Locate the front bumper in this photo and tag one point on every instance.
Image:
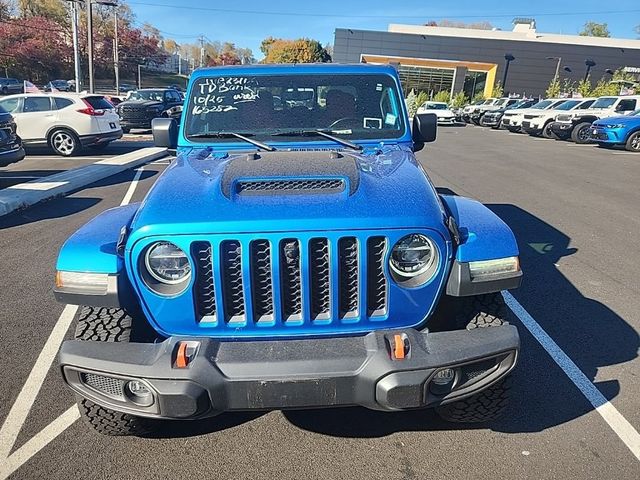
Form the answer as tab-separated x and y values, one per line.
562	129
531	127
246	375
612	136
11	154
446	120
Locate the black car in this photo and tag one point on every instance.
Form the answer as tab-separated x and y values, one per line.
11	149
144	105
493	118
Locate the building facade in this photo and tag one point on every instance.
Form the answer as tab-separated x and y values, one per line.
432	59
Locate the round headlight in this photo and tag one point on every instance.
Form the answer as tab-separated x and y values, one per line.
167	263
413	256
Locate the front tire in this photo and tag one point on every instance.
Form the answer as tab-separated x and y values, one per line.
547	132
633	142
580	133
479	311
64	142
101	324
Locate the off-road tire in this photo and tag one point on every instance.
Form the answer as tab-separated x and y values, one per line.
101	324
578	133
480	311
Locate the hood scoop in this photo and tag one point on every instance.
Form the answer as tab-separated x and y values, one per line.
291	186
290	173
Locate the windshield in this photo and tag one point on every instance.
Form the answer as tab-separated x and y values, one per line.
542	105
604	102
156	95
435	106
351	106
500	102
569	104
488	102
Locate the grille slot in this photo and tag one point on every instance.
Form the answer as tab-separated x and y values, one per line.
204	291
376	280
349	277
233	290
303	185
319	276
291	283
113	387
261	281
319	281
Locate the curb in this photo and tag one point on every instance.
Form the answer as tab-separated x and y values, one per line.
23	195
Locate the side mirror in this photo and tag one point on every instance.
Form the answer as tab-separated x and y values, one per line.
165	132
424	130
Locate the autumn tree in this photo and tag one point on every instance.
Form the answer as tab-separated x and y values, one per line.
302	50
595	29
54	10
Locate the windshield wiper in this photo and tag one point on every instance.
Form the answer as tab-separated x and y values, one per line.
322	133
244	137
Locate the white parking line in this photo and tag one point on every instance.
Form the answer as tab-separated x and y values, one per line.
625	431
22	406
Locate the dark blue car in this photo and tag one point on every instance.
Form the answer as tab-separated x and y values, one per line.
622	130
294	254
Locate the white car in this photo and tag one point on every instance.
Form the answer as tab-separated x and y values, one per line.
66	122
442	111
540	123
512	119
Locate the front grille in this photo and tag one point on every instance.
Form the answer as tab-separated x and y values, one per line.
319	281
113	387
265	187
133	114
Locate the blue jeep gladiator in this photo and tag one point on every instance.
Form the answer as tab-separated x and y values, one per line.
293	255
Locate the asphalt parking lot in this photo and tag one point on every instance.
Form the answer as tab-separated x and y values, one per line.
41	162
574	212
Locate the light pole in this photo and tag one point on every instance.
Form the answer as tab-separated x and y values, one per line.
140	75
76	49
116	66
559	59
90	43
509	58
589	63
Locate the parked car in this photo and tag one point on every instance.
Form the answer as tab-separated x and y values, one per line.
539	123
11	149
9	86
479	112
114	100
440	109
142	106
512	119
576	125
66	122
493	118
620	130
469	109
292	258
125	87
60	85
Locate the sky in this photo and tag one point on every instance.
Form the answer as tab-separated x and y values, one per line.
246	23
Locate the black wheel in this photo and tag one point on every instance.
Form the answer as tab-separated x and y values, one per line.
480	311
101	324
633	142
580	133
5	91
126	130
547	132
64	142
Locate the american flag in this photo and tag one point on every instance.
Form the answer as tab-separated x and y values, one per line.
30	87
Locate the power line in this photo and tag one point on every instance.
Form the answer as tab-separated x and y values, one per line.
412	15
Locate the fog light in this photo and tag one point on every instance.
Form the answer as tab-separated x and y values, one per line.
139	393
444	377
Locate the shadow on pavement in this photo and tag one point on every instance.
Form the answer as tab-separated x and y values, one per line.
195	428
589	332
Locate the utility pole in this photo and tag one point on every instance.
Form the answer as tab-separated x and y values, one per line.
201	40
76	49
90	43
116	60
139	76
